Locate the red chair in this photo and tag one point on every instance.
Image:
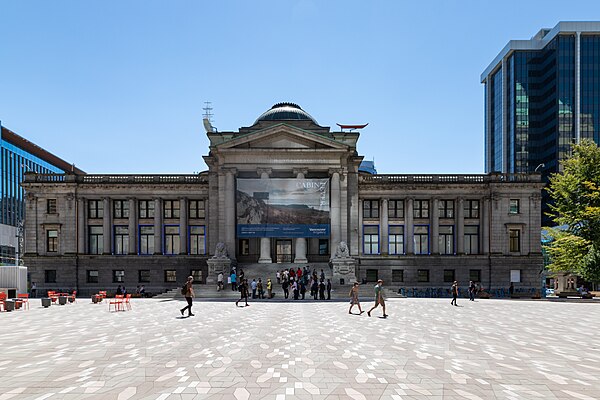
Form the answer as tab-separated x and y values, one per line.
127	302
73	296
2	299
24	297
117	302
101	295
53	295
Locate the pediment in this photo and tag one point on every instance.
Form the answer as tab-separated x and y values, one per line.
282	137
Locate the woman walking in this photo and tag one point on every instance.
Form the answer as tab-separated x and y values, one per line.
454	293
243	292
354	299
189	294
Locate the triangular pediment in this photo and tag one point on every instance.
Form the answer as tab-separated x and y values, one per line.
282	136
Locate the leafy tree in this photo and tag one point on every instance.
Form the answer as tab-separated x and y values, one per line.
576	207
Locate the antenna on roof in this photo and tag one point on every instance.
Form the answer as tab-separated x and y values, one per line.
207	117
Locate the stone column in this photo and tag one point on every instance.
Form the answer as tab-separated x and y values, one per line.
460	226
106	225
485	227
133	223
229	210
335	210
300	256
81	225
183	225
158	225
434	219
409	236
265	242
384	247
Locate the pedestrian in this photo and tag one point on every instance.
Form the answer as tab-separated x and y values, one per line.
33	290
379	300
299	273
314	289
124	290
240	275
354	299
285	287
322	290
322	276
233	281
454	290
188	293
119	291
296	290
220	281
269	288
472	290
278	275
142	291
253	286
302	289
243	292
259	288
328	289
292	273
511	289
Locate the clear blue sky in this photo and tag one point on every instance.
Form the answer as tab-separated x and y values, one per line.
118	86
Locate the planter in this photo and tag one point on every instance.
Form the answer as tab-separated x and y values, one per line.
46	302
95	299
71	299
62	300
9	305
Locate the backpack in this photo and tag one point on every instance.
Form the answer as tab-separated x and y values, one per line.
184	289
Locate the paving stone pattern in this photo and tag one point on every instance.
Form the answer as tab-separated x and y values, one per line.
426	349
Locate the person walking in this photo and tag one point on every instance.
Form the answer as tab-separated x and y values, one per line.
260	289
233	281
189	295
278	276
285	287
328	289
322	276
243	292
253	285
302	289
269	288
379	300
322	290
314	289
33	290
454	290
354	299
220	281
472	291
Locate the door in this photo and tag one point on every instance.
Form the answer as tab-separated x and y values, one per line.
372	275
284	251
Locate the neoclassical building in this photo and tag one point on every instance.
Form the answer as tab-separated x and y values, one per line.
282	192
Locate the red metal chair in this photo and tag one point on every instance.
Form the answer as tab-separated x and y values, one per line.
24	297
2	299
117	302
73	296
127	302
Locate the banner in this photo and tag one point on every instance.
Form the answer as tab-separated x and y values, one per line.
285	208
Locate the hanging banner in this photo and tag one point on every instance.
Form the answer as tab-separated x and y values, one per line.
285	208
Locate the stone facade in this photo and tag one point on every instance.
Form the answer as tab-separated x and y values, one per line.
489	224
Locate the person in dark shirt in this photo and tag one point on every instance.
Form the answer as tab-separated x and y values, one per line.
322	290
328	289
243	292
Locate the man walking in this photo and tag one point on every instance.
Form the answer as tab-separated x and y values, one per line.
328	289
454	293
378	298
188	291
471	291
243	292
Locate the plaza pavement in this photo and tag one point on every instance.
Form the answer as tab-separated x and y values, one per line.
426	349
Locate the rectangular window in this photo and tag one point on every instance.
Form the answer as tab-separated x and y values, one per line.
422	275
421	239
121	239
52	241
446	208
515	240
51	206
146	239
244	247
197	239
121	208
370	208
471	208
197	274
91	276
171	239
446	239
146	208
396	239
171	208
196	209
96	240
50	276
515	275
449	275
170	275
118	276
144	276
371	239
397	275
95	209
323	247
396	209
514	206
471	239
475	275
421	209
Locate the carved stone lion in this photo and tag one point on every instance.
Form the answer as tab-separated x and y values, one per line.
221	251
342	250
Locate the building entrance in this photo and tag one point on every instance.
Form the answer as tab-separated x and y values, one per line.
283	249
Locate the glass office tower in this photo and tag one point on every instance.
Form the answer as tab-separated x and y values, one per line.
17	156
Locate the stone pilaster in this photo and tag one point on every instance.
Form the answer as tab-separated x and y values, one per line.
384	228
335	210
460	226
434	220
158	228
81	225
485	226
265	242
300	251
106	226
409	229
183	225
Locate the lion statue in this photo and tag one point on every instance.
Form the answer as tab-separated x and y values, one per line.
220	251
342	250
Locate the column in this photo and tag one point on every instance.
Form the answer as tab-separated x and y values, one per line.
384	228
434	219
132	226
230	211
106	225
300	256
158	225
81	225
460	226
335	211
577	113
265	242
183	225
485	226
410	245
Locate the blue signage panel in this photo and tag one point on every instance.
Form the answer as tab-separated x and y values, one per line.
283	231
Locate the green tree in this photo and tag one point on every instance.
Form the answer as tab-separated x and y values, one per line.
576	207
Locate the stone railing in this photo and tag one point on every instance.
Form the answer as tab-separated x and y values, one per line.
480	178
95	179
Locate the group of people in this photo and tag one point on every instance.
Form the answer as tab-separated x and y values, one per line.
297	281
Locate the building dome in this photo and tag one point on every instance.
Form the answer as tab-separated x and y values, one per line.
285	112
